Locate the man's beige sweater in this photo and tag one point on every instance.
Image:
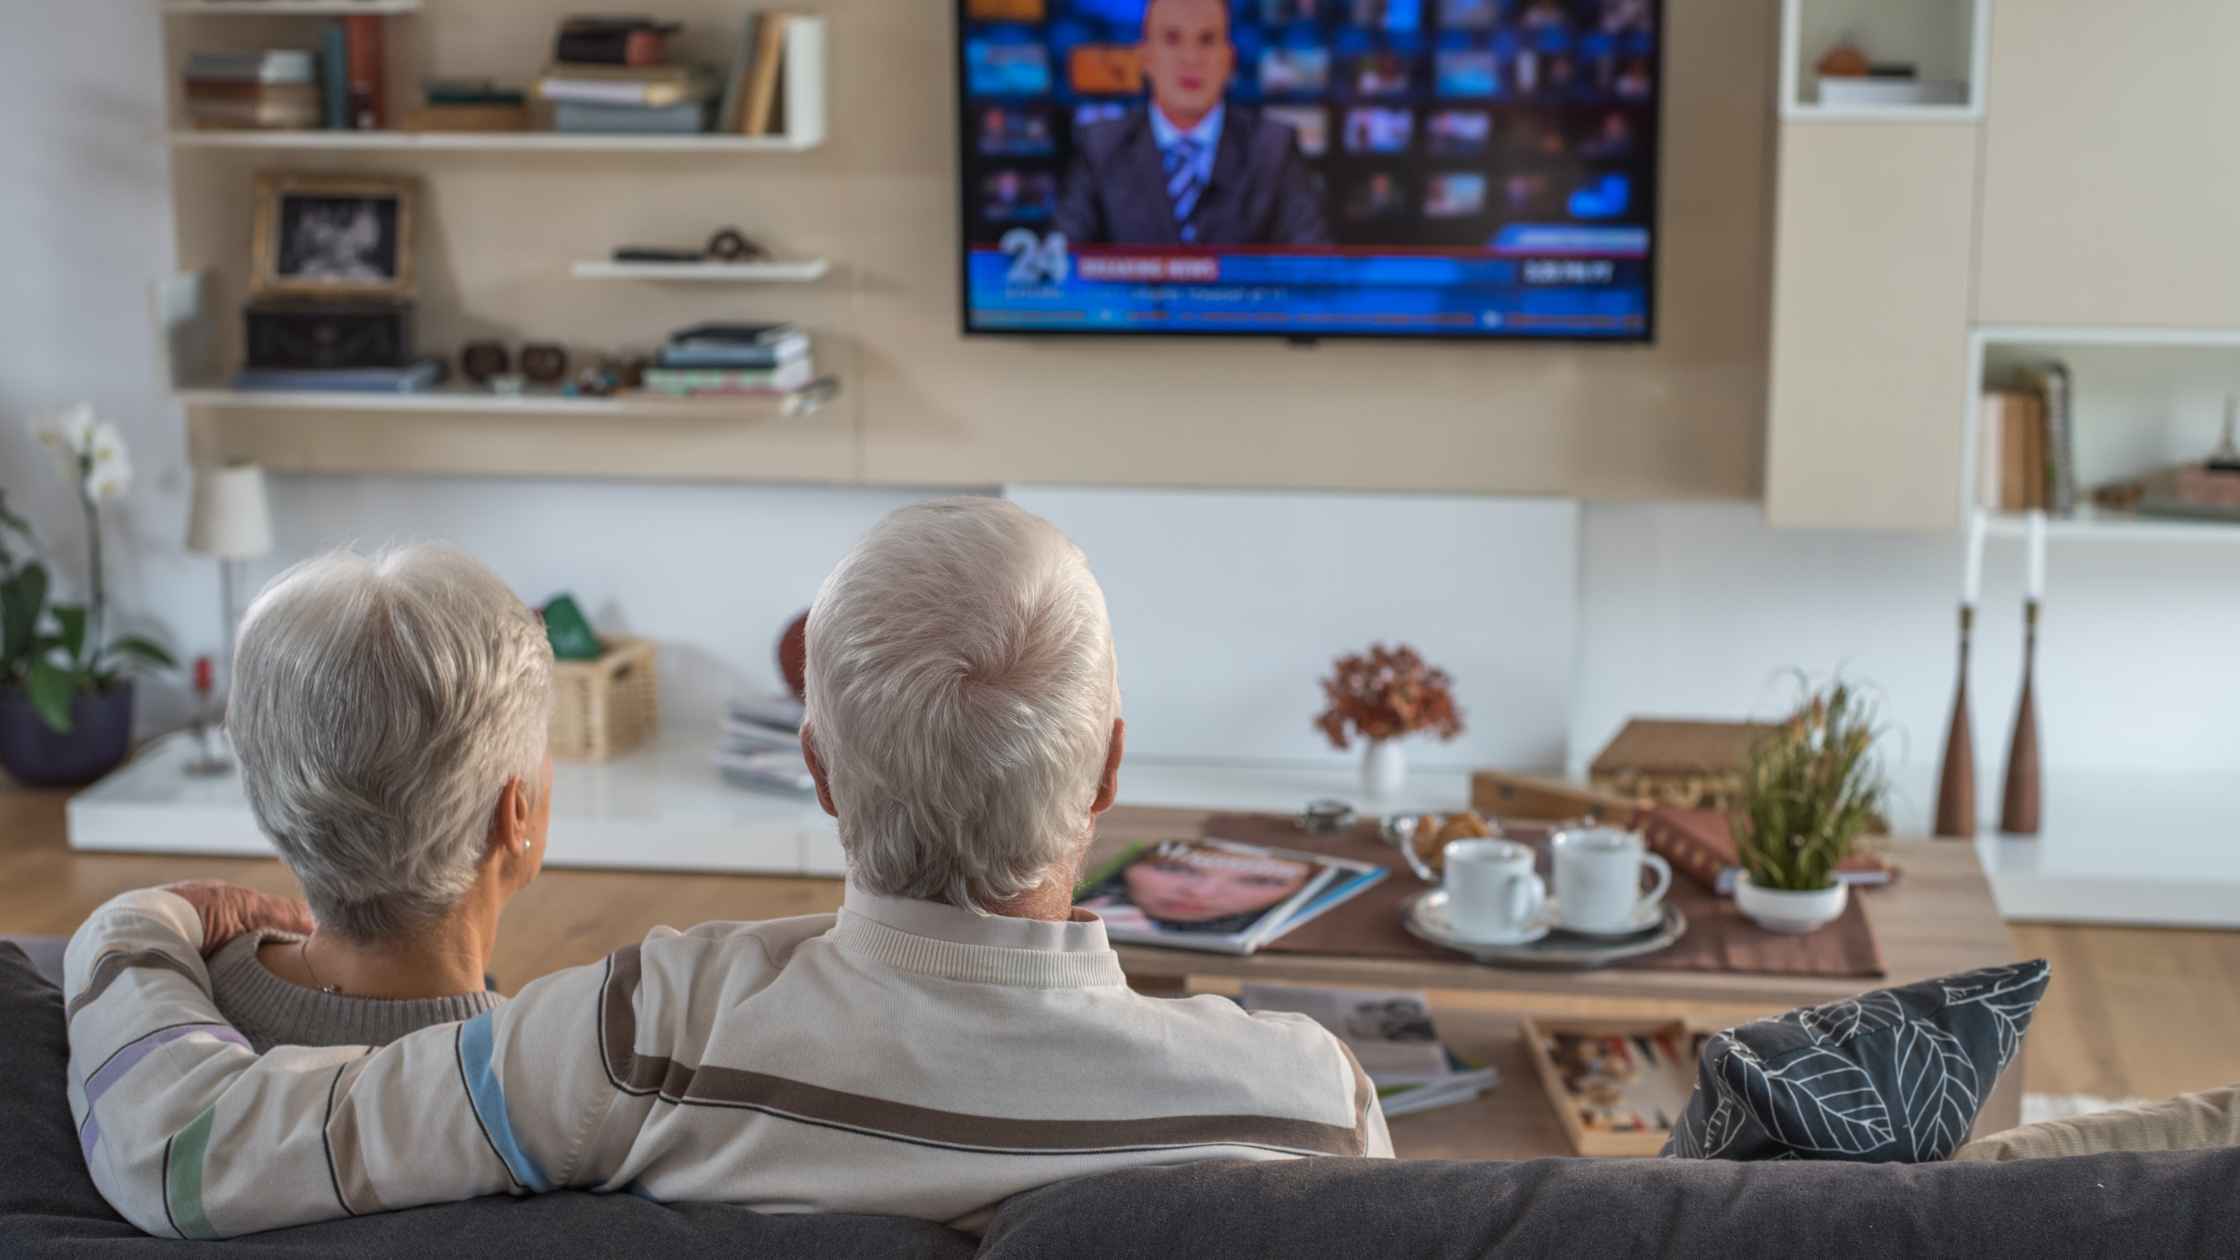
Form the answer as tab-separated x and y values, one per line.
900	1057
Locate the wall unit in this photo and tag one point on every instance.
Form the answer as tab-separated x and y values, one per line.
923	405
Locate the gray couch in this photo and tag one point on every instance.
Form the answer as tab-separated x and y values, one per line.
2164	1204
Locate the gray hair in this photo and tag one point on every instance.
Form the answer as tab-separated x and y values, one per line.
380	705
962	689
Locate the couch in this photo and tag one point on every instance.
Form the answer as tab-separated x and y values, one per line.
2160	1204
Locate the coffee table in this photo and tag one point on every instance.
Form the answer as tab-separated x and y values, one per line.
1938	918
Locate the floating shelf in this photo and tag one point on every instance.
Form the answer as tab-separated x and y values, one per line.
801	402
2116	527
1883	113
534	141
736	273
315	8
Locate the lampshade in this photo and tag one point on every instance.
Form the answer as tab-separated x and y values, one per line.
230	518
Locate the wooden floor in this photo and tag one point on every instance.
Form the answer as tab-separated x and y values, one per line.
2151	1012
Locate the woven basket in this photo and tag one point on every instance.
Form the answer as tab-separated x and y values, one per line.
603	708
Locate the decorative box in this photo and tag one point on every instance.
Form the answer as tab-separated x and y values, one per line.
1677	765
1617	1085
603	708
328	334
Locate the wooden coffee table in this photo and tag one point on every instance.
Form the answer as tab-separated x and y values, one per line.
1938	918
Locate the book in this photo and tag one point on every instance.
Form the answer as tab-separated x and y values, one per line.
410	379
744	737
652	87
264	65
2057	454
334	75
420	118
768	355
2022	479
586	118
469	91
770	770
260	106
778	711
1211	894
1991	421
369	72
1700	844
782	379
729	115
759	107
1392	1036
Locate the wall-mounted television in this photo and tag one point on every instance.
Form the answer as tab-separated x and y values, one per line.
1310	168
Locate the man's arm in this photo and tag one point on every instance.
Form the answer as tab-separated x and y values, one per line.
188	1134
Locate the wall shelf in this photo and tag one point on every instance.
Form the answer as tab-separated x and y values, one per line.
310	8
1945	40
464	399
2092	524
737	273
529	141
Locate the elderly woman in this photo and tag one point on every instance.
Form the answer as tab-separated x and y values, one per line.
956	1034
389	716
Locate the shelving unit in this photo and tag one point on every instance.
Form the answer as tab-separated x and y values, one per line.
527	141
2143	399
1947	40
301	8
800	272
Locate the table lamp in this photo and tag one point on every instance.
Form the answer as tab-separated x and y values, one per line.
232	523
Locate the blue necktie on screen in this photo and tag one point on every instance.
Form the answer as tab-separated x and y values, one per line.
1183	186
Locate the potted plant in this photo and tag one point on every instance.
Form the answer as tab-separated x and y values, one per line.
1383	696
1810	790
65	705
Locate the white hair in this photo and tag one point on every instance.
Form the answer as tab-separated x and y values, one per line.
961	694
380	705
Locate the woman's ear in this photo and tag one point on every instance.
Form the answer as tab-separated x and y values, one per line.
509	826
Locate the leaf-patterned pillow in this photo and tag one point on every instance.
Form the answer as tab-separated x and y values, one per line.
1896	1075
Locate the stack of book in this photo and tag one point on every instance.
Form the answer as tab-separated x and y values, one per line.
761	746
1392	1037
728	360
2027	457
274	89
753	97
467	105
609	76
412	378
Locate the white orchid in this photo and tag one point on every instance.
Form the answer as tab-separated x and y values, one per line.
92	452
108	462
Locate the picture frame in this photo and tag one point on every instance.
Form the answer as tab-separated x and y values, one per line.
332	235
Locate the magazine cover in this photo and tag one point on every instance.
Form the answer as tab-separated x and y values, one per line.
1211	894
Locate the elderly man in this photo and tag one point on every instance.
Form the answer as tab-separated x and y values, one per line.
955	1035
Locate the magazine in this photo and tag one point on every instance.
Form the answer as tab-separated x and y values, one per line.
1216	895
1393	1039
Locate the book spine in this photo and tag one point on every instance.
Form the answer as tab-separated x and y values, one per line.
1991	415
1688	855
369	104
2061	443
762	85
334	46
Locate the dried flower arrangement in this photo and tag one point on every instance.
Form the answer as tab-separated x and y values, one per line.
1385	694
1811	790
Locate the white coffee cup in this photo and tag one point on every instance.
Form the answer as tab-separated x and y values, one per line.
1598	879
1492	894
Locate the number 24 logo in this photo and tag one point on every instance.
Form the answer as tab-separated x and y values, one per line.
1035	260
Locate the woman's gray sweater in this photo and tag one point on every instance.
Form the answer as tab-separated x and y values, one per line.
272	1012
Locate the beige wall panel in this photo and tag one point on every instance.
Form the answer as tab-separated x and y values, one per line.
1870	332
2109	180
1679	419
921	404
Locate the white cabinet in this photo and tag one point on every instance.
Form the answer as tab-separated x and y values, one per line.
1872	261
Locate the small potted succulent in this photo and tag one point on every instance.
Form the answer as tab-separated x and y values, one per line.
65	705
1383	696
1810	791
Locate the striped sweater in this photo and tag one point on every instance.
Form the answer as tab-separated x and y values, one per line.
900	1057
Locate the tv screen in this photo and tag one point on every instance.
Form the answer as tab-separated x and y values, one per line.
1310	168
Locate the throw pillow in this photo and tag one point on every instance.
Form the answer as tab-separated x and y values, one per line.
1896	1075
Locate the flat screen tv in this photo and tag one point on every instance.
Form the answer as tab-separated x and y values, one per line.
1310	168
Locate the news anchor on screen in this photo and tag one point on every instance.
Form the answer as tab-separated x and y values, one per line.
1188	168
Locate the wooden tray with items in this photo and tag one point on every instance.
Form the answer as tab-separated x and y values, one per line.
1617	1085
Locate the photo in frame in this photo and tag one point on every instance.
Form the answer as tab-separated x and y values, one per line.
334	235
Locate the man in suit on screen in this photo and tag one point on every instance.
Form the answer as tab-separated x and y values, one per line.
1189	168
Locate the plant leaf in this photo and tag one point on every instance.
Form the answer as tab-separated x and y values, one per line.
134	645
52	690
22	598
72	619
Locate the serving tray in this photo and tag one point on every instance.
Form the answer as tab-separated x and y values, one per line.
1423	915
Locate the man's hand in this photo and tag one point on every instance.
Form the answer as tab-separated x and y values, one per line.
227	911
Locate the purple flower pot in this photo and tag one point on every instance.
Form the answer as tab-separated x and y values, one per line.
100	736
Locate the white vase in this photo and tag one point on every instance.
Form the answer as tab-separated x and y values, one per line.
1783	910
1384	768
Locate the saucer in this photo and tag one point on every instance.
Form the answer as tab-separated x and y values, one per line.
1434	915
1645	917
